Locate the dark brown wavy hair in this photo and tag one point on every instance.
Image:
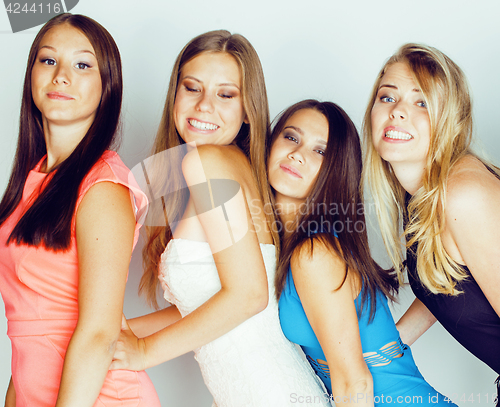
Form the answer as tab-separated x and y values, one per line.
48	220
337	185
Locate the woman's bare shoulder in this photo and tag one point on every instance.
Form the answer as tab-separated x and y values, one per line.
217	162
470	186
314	257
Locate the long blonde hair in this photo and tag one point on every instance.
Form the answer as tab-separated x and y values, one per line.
446	92
252	139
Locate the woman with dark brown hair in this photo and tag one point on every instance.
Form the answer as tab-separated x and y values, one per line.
215	257
332	294
67	226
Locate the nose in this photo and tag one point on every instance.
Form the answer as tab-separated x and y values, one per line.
205	103
61	76
296	155
399	111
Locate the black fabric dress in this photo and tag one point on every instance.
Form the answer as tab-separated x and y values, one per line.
468	317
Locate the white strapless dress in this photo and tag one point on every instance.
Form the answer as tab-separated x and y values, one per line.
253	365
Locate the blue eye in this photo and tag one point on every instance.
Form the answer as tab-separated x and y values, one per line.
321	152
422	104
387	99
82	65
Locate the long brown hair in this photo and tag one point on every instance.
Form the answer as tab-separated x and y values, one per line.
335	206
48	220
251	138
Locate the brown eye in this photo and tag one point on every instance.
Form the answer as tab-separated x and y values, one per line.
48	61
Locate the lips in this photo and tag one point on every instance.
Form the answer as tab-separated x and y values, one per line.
291	170
59	96
203	126
397	134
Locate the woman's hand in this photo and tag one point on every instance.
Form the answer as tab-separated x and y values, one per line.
130	350
240	265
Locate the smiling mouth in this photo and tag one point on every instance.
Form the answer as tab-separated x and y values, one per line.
398	135
202	125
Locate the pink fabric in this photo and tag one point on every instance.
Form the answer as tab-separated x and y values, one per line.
40	291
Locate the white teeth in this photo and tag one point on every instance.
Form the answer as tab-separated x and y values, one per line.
203	126
398	135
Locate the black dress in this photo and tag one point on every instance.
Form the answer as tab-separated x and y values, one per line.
468	317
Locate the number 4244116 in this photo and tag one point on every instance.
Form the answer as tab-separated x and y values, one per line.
473	398
18	8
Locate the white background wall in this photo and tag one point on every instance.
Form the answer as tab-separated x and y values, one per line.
326	49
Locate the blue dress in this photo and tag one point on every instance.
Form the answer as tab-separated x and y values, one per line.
396	379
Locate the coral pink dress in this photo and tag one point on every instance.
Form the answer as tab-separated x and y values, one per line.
40	291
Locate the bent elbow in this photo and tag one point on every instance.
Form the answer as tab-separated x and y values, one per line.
261	303
363	386
103	341
359	384
257	302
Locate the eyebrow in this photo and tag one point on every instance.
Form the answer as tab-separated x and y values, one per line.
219	84
386	85
81	51
299	130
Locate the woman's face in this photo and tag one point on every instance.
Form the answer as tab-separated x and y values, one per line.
65	80
296	155
208	106
401	130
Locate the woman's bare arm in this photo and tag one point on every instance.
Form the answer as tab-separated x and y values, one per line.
473	221
149	324
332	315
105	226
10	397
416	320
239	263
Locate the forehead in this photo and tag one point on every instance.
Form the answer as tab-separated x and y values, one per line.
398	72
311	122
65	36
217	66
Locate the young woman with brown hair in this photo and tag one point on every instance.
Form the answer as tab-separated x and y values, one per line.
215	255
68	227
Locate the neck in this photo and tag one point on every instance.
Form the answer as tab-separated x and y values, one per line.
288	211
61	141
409	175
